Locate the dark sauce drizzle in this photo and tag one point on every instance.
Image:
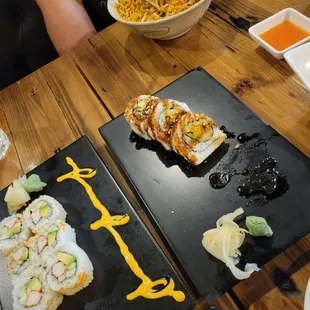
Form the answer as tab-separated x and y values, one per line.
259	142
229	134
243	137
262	179
152	145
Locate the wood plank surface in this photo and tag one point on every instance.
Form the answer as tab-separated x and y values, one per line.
82	109
35	120
260	291
10	166
78	93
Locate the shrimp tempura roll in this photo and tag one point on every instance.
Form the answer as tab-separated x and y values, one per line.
195	137
137	115
163	118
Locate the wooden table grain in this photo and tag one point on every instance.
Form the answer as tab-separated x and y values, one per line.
79	92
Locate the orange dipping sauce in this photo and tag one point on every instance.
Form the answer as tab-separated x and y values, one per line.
284	35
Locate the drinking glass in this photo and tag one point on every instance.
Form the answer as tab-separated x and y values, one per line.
4	144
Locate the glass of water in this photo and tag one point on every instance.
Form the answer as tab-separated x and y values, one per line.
4	144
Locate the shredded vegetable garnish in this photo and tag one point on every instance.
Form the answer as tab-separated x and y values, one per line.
147	10
224	241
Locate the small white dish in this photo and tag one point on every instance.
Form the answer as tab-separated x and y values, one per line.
299	60
287	14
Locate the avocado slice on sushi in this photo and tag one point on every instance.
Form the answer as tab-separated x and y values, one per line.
70	273
51	237
16	229
71	266
44	211
35	284
67	259
24	256
14	266
30	294
22	296
23	291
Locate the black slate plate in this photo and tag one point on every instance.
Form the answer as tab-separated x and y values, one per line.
113	278
184	205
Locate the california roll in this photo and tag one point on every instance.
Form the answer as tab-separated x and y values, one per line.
13	231
33	293
70	270
43	209
50	235
19	264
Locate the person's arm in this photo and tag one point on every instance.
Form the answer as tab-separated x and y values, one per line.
67	23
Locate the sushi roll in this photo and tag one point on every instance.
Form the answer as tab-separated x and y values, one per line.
33	293
69	270
137	115
195	137
50	235
163	118
13	231
41	210
19	264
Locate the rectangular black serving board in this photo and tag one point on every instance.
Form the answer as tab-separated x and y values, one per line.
113	279
184	205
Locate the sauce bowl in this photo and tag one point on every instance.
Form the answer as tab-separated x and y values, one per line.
287	14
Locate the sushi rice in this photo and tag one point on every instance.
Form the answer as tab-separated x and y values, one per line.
33	293
41	210
13	231
19	264
50	236
69	269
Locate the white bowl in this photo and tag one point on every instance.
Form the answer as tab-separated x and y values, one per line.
167	28
287	14
299	60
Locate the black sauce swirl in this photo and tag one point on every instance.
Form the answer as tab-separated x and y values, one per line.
219	179
243	137
229	134
263	178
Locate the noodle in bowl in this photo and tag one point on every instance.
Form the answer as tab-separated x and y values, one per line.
165	28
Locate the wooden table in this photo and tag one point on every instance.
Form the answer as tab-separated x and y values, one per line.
77	93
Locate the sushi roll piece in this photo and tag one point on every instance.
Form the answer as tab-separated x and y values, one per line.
50	236
33	293
19	264
69	270
163	118
13	231
137	115
195	137
41	210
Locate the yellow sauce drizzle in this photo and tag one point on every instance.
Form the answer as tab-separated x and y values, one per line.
147	288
